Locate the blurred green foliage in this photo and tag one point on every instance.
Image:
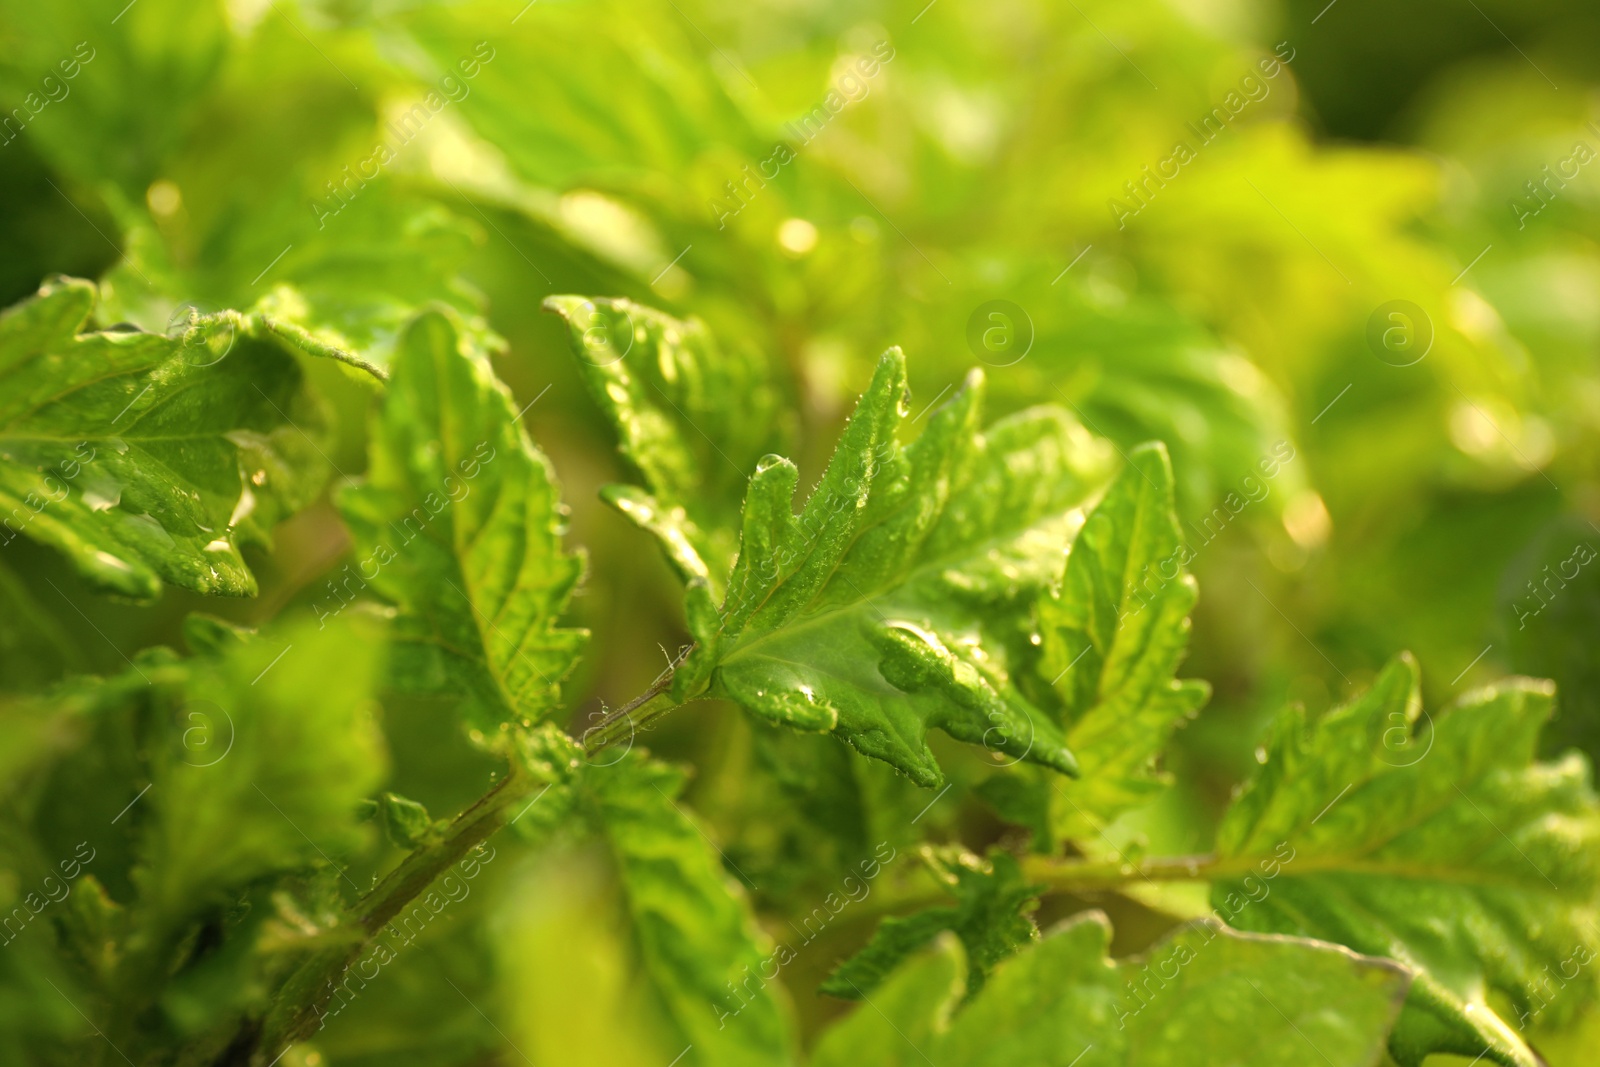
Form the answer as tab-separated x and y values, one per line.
1192	213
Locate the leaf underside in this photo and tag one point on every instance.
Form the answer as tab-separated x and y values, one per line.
990	918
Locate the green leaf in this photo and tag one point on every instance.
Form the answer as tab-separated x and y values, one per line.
344	294
548	756
1021	796
991	919
459	524
254	793
251	779
639	104
38	727
900	598
37	1025
319	237
36	649
693	419
1205	994
405	822
208	635
1443	845
1141	371
109	135
810	811
1113	636
145	458
707	960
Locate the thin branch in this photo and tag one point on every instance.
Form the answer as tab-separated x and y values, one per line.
298	1010
635	713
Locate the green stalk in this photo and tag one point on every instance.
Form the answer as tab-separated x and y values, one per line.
417	871
627	722
299	1004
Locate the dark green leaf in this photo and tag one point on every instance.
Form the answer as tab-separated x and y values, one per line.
991	918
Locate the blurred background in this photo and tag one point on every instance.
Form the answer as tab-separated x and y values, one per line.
1354	237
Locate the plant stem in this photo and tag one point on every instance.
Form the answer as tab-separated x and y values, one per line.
639	711
298	1011
418	870
300	1003
630	719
